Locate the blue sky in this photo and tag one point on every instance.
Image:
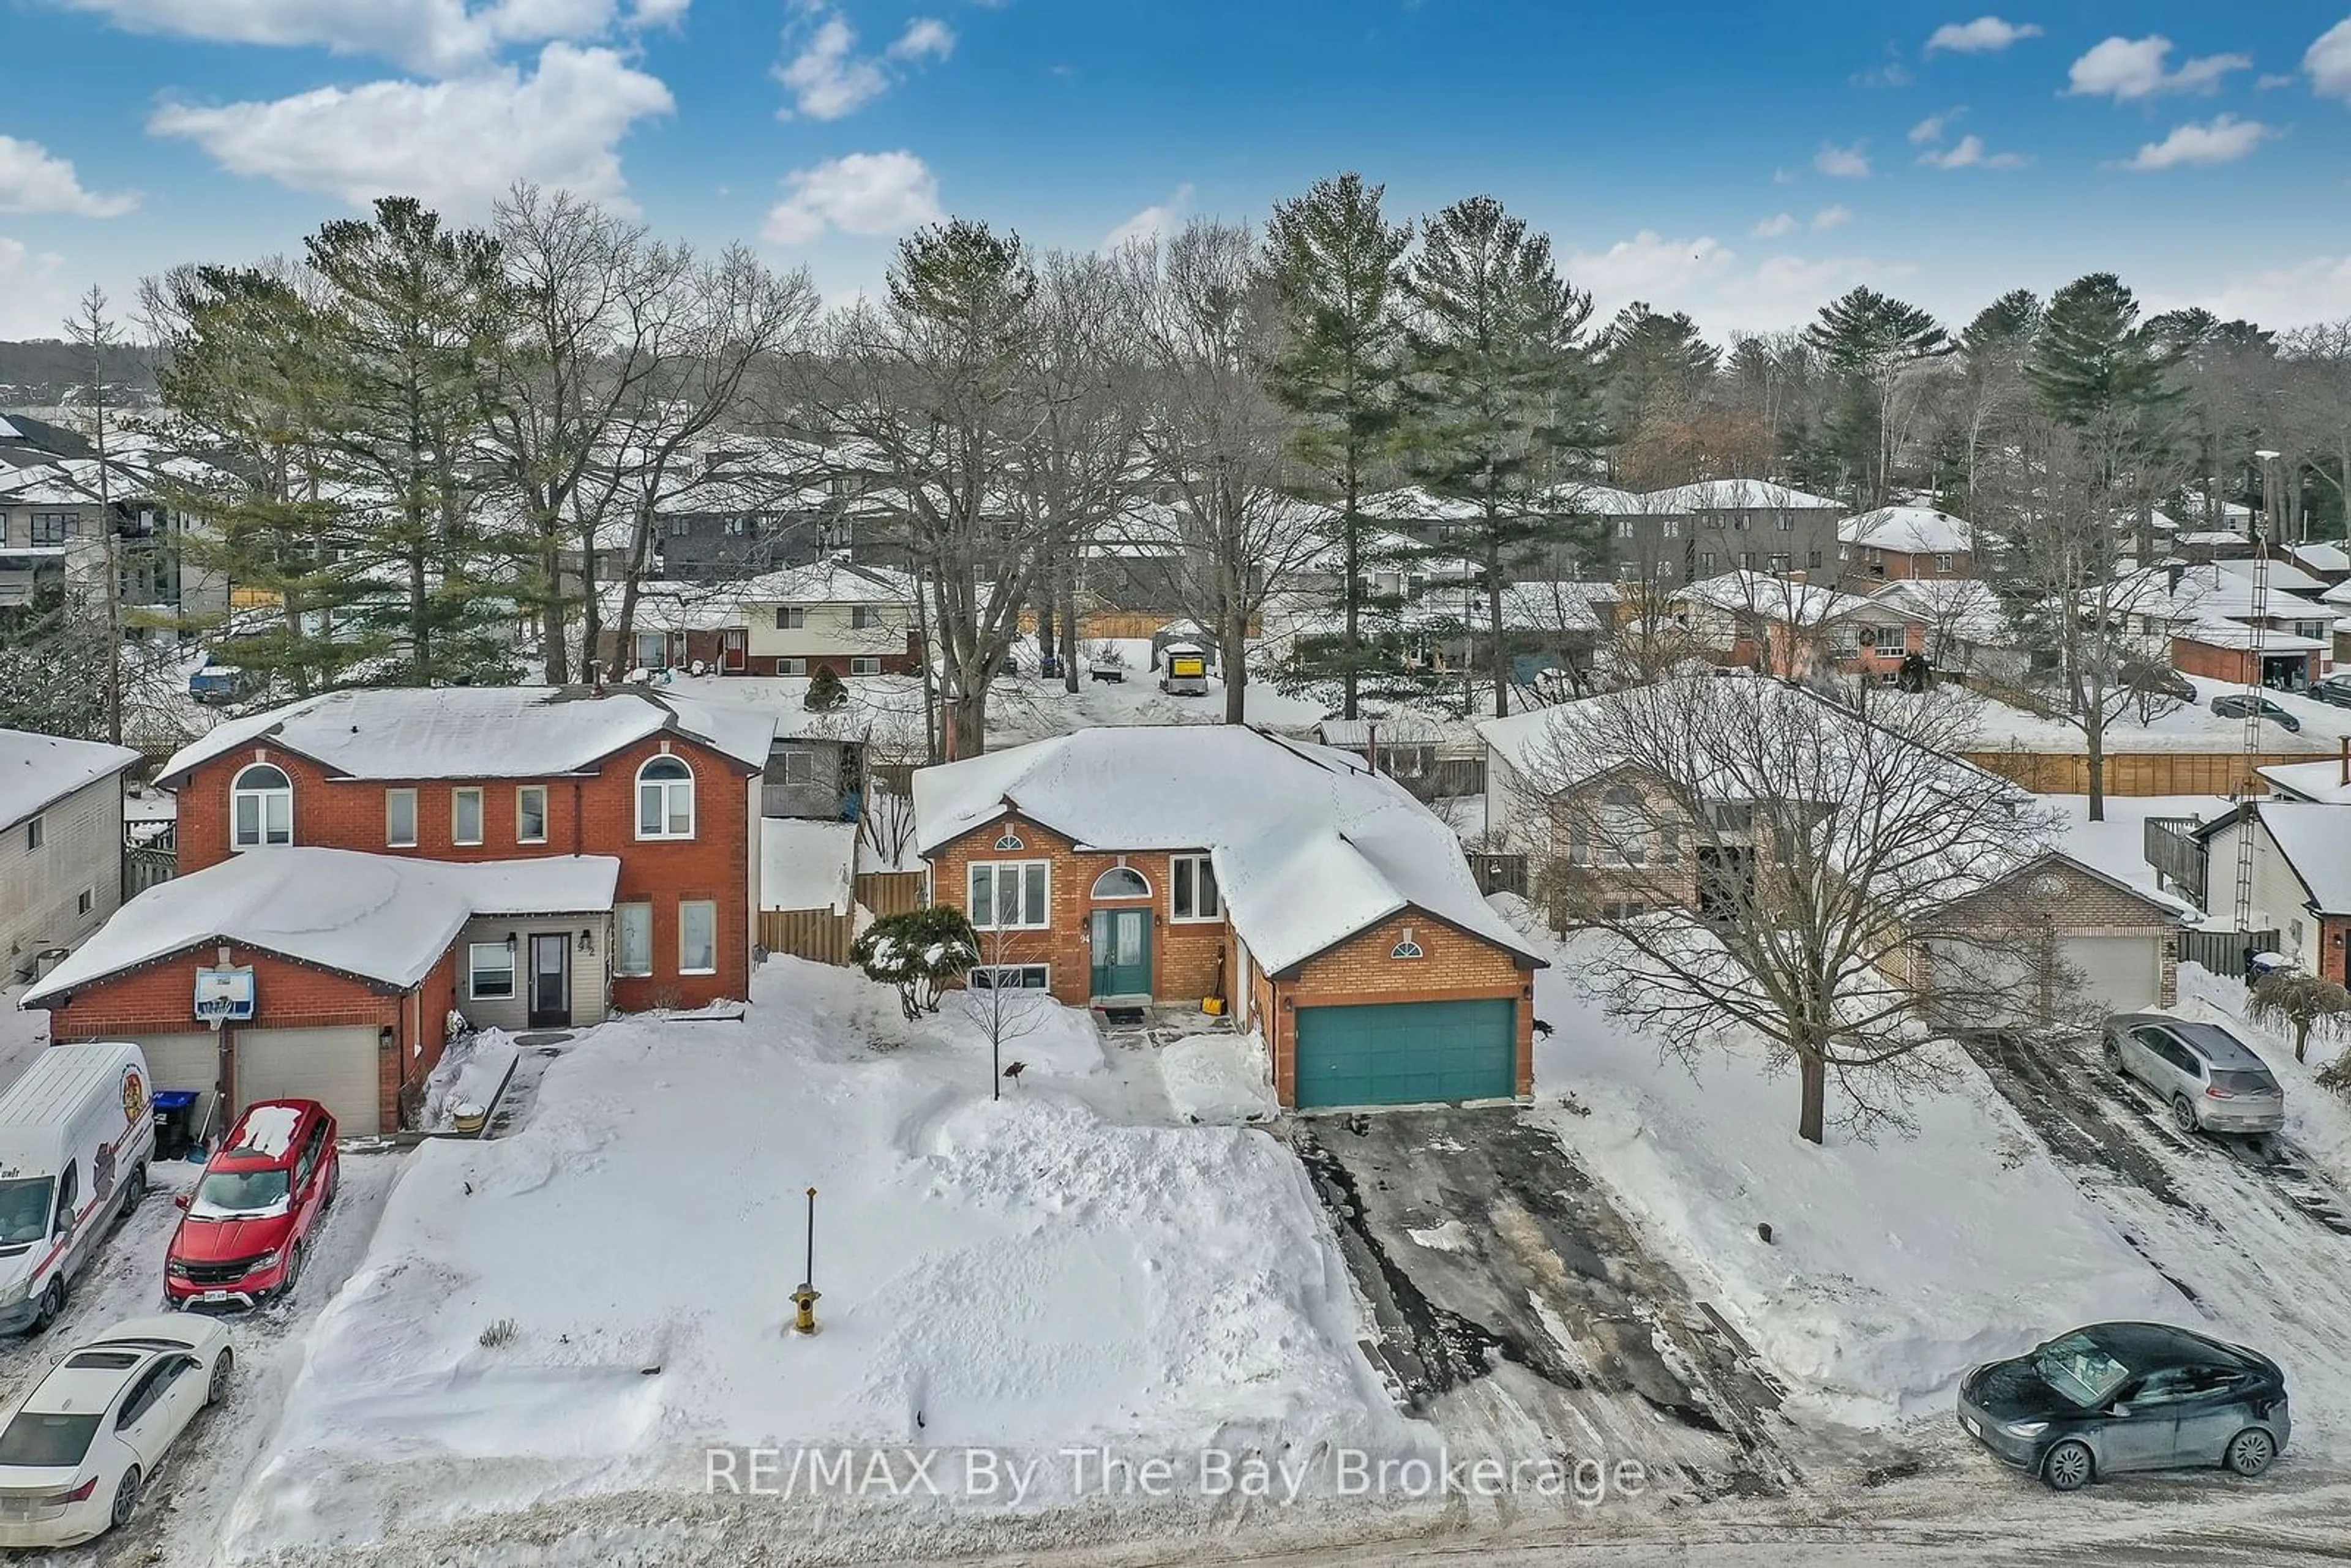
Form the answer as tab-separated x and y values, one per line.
1739	159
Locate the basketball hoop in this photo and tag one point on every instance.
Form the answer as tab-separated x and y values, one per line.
215	1022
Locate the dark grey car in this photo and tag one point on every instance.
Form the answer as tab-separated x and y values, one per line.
2127	1397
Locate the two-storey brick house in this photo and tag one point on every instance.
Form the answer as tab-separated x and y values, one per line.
530	857
1333	913
1903	544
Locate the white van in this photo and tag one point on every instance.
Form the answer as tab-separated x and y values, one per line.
76	1133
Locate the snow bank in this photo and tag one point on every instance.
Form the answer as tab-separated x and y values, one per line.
2317	1120
1033	1272
1221	1079
469	1072
1892	1266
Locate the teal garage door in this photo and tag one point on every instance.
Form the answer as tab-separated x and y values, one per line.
1404	1053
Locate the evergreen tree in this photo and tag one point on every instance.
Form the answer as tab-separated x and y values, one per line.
2101	373
54	656
1334	261
825	692
1647	362
413	316
1869	342
1498	390
1992	354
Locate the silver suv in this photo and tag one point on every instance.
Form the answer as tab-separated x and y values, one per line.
2214	1082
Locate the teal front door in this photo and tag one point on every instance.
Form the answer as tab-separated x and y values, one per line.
1406	1054
1121	952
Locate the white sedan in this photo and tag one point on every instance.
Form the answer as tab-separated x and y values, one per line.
76	1450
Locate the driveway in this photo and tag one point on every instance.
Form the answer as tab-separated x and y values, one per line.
1518	1310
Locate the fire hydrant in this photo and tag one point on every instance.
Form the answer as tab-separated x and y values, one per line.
805	1298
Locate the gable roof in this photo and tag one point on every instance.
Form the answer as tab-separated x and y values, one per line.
2314	838
479	732
2320	781
385	918
38	769
1914	531
1732	496
1309	846
1774	598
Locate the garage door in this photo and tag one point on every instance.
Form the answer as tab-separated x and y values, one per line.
335	1066
1404	1053
2121	974
181	1060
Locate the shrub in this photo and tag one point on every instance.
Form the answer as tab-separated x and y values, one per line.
825	692
919	952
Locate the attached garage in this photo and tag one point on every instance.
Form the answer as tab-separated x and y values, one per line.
181	1060
335	1066
1400	1053
2121	974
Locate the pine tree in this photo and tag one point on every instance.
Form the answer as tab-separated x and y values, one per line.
1649	361
1498	390
825	692
1334	261
2095	367
414	315
1870	342
1992	354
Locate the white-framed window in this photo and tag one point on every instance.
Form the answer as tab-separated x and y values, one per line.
87	902
791	666
261	806
864	665
400	818
864	617
795	767
664	799
1787	522
1011	978
1623	527
653	650
1010	895
1192	889
1670	528
633	946
489	971
1623	828
790	617
531	814
1942	562
698	937
1705	563
36	832
465	815
1122	882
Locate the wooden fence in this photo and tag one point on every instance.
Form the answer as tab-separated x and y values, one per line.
143	866
1499	874
2134	772
890	892
2223	952
818	934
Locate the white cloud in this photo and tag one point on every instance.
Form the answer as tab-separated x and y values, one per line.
1968	152
1985	34
33	299
2328	62
1829	219
1931	128
440	37
862	194
2126	68
1775	226
828	79
34	180
2224	140
658	13
1842	162
1153	222
454	144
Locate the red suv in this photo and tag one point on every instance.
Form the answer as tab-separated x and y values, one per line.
249	1220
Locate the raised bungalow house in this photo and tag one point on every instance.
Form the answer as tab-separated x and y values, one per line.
358	864
1119	867
1792	628
60	842
2302	875
852	619
1896	544
1598	833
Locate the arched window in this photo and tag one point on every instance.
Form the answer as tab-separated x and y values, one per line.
1122	882
1623	828
261	808
665	799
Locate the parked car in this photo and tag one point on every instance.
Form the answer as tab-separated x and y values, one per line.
2334	690
2211	1080
249	1222
2237	704
76	1133
2157	681
2127	1397
76	1451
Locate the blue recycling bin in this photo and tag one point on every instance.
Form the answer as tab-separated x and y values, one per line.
175	1118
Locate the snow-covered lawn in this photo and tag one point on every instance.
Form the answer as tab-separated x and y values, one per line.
2117	846
1893	1266
1219	1078
1066	1266
2177	727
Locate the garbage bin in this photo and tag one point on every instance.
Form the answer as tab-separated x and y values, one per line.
175	1121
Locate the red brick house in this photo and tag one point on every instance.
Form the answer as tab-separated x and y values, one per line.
470	812
1901	544
1123	867
1792	628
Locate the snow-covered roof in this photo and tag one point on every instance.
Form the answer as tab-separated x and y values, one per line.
2318	556
35	769
1309	845
2209	537
1733	496
1601	500
2315	840
807	864
379	917
1777	598
2328	781
1960	605
2236	634
1914	531
2284	576
1416	504
479	732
